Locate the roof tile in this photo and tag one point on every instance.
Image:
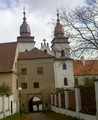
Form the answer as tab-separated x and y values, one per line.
7	54
34	54
90	67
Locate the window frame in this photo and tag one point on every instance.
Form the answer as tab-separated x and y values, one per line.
24	71
62	53
36	85
16	83
24	85
64	66
65	81
40	70
76	81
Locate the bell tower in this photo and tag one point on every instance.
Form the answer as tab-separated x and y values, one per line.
25	40
63	65
60	43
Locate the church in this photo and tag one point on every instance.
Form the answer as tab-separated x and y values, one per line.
38	72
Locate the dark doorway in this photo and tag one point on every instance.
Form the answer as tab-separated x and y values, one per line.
31	105
35	104
11	107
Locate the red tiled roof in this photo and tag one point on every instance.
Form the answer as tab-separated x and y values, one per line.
7	55
34	54
90	67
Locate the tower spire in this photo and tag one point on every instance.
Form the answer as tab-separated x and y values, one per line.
25	28
58	30
24	13
58	19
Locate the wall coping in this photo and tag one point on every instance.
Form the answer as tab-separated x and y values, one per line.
78	86
96	80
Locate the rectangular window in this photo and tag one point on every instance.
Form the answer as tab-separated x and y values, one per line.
24	85
62	53
40	70
36	85
24	71
16	83
76	81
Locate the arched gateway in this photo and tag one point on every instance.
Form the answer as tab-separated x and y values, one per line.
35	104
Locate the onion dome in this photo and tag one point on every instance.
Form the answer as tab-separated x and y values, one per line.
25	28
58	30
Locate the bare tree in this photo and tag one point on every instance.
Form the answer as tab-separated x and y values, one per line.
81	25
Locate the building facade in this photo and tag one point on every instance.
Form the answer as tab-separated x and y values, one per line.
39	71
63	64
36	72
36	77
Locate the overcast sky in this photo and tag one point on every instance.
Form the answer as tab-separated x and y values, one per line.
38	13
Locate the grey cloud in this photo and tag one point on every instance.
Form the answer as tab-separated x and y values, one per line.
39	13
49	5
6	4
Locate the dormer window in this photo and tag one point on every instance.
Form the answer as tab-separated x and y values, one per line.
62	53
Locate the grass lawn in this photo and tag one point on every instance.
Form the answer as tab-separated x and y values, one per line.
58	116
17	117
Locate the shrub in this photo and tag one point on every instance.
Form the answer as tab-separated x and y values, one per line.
5	89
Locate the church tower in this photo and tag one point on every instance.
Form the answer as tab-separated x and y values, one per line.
60	44
63	65
25	40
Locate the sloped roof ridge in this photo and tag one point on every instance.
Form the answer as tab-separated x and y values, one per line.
41	51
8	43
35	53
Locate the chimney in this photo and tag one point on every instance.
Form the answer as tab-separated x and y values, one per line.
82	60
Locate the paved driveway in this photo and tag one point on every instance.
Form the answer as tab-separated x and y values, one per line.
38	116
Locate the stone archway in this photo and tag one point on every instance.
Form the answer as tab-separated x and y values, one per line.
35	104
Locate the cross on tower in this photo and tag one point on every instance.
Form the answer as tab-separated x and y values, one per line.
44	41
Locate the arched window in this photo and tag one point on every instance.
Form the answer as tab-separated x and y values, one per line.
45	51
26	50
64	66
62	53
65	81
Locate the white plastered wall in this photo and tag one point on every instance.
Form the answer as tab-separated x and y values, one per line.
58	47
25	46
61	73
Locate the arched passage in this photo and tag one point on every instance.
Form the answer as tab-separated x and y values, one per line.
35	104
31	105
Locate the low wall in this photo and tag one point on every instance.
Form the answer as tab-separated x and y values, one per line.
5	106
76	107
